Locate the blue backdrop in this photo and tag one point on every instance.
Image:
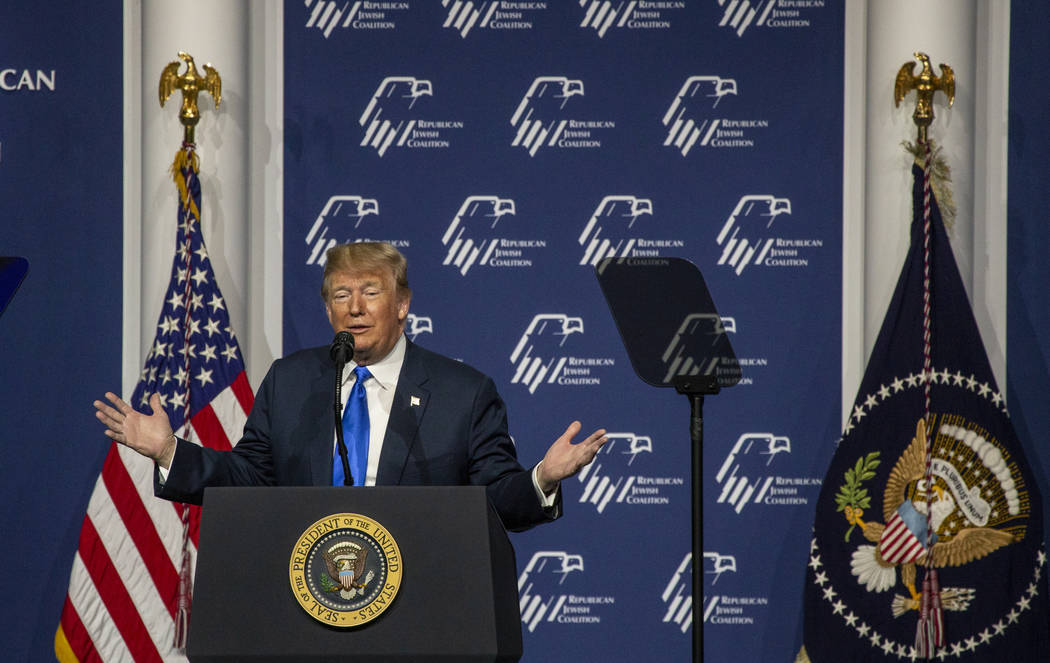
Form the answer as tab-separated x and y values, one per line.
60	338
505	151
610	571
1028	302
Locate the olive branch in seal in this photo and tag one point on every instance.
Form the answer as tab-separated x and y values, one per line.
329	585
852	495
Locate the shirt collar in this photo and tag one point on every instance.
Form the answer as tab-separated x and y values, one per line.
386	370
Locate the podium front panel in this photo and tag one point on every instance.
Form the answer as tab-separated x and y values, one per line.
458	577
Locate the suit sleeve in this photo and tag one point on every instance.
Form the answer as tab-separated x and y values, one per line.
250	463
494	464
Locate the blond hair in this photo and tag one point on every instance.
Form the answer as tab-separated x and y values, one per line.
366	257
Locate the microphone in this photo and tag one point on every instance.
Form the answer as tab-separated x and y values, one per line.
342	347
341	351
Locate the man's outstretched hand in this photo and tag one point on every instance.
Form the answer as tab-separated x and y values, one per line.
150	435
564	459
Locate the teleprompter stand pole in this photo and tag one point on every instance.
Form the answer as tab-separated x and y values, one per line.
695	388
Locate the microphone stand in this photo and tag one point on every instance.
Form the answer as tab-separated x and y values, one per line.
348	478
341	350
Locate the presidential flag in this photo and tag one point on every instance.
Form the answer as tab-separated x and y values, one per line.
131	581
929	527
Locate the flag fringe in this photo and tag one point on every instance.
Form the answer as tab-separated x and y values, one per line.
186	159
940	179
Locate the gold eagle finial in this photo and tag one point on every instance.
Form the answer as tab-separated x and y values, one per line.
191	83
925	85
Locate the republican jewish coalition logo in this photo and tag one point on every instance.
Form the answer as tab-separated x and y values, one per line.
339	220
391	119
387	117
491	15
345	570
739	16
677	596
745	476
538	354
472	236
700	332
748	236
328	15
536	118
611	230
540	583
541	118
691	120
542	593
614	478
616	230
601	15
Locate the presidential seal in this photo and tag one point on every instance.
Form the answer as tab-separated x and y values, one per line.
345	570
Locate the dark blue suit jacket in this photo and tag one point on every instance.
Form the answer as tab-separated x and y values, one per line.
455	434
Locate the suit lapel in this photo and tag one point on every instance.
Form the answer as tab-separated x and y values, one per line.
406	413
321	404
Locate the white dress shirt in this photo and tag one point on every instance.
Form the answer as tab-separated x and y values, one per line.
379	392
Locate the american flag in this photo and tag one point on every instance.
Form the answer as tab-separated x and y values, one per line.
135	549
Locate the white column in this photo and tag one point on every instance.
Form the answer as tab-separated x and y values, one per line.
990	174
945	30
854	122
263	336
216	33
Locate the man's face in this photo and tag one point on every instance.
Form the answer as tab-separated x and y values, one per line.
367	305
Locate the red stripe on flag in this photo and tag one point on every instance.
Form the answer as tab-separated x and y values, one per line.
76	635
243	391
141	529
209	429
115	596
195	523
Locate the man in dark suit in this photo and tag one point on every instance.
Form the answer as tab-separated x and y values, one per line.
431	420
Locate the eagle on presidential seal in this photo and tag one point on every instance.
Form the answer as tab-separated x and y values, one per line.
345	563
959	536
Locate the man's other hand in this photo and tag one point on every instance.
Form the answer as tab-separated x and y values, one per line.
564	459
150	435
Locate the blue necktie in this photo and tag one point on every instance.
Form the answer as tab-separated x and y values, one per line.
355	432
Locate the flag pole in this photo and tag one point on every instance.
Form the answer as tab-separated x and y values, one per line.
929	632
185	171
